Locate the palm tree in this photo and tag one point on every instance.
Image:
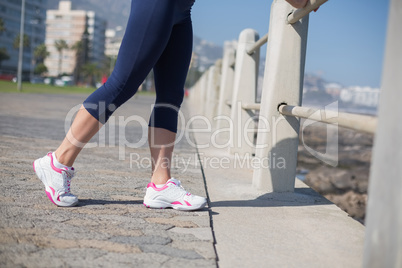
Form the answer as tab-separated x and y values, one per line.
3	51
60	46
40	68
25	42
91	71
3	55
41	53
2	27
81	49
79	60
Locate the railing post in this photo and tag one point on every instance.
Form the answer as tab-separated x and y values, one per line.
199	100
194	95
283	82
245	83
226	86
383	242
212	94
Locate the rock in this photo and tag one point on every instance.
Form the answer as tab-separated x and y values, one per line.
353	203
346	184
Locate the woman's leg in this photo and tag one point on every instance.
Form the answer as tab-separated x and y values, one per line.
170	74
148	31
147	34
161	143
84	127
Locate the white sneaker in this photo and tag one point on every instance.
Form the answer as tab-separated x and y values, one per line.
57	181
173	195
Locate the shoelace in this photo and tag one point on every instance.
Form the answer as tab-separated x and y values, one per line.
68	176
179	184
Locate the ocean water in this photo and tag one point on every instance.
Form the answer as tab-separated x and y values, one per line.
345	108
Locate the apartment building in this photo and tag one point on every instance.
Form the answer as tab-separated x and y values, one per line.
97	37
72	26
34	28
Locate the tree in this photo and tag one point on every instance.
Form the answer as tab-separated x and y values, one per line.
81	49
60	46
78	47
25	42
40	53
40	68
2	26
106	65
91	71
3	55
192	77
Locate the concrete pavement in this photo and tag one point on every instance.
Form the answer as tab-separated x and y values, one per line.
110	227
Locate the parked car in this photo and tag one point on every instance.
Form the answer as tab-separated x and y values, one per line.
7	77
64	81
24	79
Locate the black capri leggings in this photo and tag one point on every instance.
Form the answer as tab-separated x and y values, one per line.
159	35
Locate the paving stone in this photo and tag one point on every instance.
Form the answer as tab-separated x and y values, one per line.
200	233
110	227
170	251
142	240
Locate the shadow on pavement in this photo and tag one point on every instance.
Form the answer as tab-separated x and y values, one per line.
89	202
300	197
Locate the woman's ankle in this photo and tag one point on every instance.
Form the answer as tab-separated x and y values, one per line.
64	158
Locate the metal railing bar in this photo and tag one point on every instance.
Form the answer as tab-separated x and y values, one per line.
251	106
263	40
300	13
356	122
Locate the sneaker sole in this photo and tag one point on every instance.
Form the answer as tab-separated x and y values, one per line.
162	205
49	190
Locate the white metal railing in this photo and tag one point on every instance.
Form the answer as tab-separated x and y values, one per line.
281	102
357	122
258	44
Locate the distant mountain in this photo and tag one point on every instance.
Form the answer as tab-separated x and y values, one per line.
314	82
206	52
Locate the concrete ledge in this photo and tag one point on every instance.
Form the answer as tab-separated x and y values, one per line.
255	229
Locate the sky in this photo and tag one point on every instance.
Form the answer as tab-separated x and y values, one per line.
346	38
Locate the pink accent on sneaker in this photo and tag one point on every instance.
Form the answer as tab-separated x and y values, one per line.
152	185
176	203
50	197
51	163
188	204
52	190
33	164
